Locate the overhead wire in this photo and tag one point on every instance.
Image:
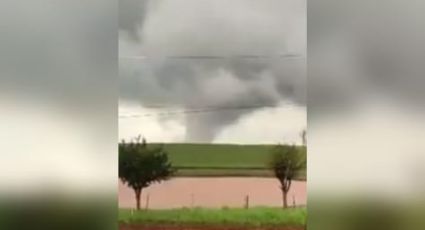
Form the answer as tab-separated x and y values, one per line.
199	110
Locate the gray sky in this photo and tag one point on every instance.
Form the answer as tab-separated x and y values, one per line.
212	71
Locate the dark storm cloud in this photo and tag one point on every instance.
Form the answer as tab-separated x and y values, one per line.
194	84
219	54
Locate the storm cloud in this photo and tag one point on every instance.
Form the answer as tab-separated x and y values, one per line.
233	57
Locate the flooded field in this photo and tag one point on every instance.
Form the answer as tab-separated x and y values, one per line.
213	193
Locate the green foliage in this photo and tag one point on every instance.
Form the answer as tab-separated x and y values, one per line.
256	216
286	161
140	166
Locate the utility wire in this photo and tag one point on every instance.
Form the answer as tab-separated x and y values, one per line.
196	111
196	107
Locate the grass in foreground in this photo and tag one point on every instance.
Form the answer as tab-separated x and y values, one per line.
258	216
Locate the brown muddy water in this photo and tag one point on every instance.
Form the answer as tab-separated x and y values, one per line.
215	192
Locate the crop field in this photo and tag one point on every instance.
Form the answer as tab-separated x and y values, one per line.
223	160
237	217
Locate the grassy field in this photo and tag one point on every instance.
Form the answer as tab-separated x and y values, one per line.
258	216
222	160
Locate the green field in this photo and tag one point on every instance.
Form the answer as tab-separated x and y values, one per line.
223	159
257	216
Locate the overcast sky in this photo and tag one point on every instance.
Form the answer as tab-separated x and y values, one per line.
212	70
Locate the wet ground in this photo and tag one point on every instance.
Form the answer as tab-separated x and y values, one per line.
214	193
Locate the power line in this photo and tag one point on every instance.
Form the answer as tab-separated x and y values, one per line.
197	111
196	107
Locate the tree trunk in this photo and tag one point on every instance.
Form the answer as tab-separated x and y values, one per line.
285	198
138	195
286	184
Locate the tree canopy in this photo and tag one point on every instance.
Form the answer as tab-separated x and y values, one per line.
286	162
140	166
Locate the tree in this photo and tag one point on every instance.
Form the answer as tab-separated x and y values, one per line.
140	166
287	161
